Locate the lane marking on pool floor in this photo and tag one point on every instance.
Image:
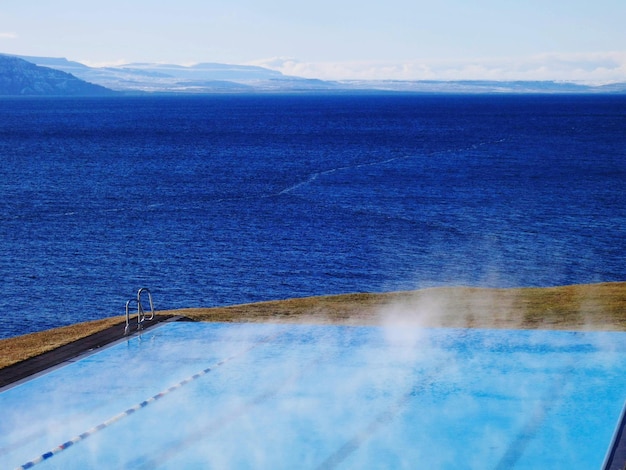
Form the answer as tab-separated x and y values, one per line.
81	437
196	435
382	419
532	425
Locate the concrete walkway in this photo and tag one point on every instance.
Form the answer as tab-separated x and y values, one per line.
25	369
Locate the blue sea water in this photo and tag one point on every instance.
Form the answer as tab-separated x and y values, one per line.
218	200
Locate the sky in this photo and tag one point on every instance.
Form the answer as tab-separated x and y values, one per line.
577	40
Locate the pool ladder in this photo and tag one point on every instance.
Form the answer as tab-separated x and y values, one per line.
141	312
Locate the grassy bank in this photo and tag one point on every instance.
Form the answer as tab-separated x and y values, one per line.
578	307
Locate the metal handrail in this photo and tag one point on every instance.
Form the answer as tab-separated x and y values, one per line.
127	327
139	292
141	313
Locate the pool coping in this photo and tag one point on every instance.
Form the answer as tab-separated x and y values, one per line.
616	456
29	368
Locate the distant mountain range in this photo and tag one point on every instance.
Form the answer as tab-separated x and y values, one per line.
24	75
22	78
200	78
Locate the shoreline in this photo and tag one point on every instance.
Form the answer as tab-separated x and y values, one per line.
580	307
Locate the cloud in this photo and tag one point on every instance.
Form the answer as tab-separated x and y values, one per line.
102	64
597	68
7	35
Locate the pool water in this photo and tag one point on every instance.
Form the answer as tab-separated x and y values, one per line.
228	395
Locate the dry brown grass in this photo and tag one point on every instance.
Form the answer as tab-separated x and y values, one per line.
578	307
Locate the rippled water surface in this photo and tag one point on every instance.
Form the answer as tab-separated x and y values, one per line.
232	199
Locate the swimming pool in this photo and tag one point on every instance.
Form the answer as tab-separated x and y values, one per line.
224	395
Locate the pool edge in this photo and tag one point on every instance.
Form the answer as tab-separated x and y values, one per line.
28	368
616	456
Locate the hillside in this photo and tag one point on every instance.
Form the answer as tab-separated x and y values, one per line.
21	78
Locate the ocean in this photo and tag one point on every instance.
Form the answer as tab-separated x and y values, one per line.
228	199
